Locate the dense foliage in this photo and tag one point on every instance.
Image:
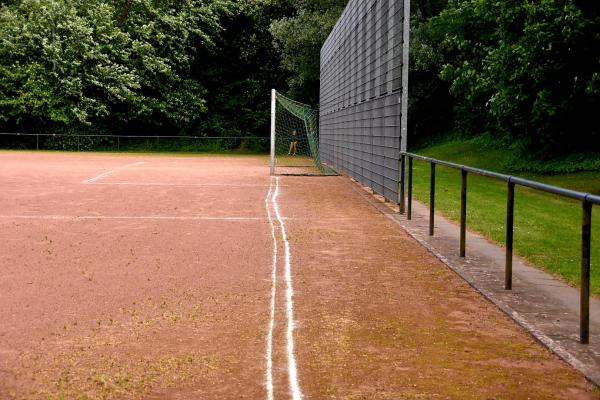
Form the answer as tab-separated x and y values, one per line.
526	73
430	102
98	65
200	67
300	38
240	73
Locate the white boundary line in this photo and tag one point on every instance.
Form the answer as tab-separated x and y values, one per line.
289	295
112	171
269	350
168	217
176	184
138	217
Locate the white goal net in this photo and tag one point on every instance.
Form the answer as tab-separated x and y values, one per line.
295	138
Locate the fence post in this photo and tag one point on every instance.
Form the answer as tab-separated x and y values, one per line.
432	199
510	218
77	142
410	183
37	141
463	212
118	143
402	170
586	234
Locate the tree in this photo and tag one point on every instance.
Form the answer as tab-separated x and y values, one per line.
300	37
95	65
526	71
241	69
430	112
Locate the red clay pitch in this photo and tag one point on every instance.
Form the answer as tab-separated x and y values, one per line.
150	277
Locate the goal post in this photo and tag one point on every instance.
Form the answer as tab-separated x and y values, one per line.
294	138
273	111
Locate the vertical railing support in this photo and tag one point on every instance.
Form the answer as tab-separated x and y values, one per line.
118	143
586	236
510	219
432	199
37	141
401	196
463	212
410	188
77	142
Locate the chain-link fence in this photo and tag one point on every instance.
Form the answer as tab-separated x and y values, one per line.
132	143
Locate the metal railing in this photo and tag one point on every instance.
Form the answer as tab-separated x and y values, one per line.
587	201
117	141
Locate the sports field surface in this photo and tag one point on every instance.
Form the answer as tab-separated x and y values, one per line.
172	277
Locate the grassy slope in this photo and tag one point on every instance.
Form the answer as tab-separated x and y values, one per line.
547	227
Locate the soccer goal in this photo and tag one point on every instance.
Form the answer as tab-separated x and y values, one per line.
295	138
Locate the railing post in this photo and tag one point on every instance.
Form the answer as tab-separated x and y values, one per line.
586	235
118	143
77	142
510	218
463	212
432	199
401	200
37	141
410	184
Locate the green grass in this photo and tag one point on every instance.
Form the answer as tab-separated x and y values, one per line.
547	227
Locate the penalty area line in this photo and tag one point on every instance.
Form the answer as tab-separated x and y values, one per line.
131	217
112	171
179	184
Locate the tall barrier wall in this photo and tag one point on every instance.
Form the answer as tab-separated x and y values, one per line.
361	86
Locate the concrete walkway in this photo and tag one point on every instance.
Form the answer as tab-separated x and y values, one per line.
543	305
